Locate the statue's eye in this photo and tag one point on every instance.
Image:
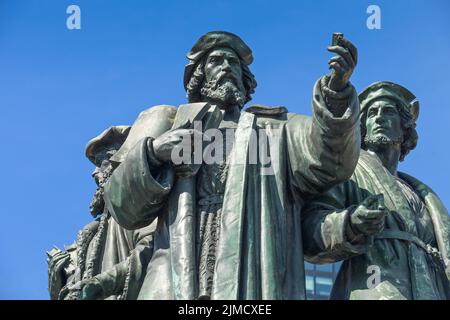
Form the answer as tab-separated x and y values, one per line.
390	111
214	59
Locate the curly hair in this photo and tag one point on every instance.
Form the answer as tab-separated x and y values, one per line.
198	78
410	136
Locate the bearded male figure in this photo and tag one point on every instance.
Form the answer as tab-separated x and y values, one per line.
106	261
391	229
237	233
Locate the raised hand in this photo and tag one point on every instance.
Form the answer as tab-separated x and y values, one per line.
343	64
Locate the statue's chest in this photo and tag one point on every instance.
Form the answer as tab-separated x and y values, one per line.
212	176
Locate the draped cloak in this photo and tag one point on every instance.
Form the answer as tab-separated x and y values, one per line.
259	247
407	271
117	257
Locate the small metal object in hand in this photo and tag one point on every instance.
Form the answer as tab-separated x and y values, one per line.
337	37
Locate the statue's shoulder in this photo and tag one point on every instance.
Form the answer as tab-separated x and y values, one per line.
296	119
152	122
162	110
267	111
415	183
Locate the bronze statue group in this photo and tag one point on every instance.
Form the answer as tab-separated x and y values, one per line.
229	230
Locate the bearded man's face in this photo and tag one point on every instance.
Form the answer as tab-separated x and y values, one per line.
223	79
101	175
383	125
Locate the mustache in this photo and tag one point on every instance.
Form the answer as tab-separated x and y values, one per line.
222	76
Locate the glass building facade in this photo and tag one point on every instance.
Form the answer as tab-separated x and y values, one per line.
320	279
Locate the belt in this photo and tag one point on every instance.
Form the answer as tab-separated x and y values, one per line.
406	236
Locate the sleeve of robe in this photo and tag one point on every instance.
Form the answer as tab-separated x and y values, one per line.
126	277
324	149
137	190
325	232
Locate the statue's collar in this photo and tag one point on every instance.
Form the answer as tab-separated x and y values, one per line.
258	109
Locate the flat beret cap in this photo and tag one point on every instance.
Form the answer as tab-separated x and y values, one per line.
110	139
211	40
392	91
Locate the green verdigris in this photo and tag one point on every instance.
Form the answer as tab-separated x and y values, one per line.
228	230
391	230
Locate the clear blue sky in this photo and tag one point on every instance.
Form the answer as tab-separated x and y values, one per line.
59	88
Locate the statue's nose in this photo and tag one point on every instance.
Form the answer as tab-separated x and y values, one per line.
379	119
95	172
226	66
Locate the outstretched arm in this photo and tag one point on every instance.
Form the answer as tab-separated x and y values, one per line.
323	150
335	228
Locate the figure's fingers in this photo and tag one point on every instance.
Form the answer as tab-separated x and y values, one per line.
351	48
60	265
57	259
374	215
377	223
369	201
339	60
376	228
337	67
57	256
380	198
343	52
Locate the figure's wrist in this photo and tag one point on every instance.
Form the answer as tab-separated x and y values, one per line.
153	158
336	101
342	94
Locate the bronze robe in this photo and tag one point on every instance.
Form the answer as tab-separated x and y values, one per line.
259	251
119	258
407	270
116	256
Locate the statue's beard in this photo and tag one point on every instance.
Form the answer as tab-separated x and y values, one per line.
380	141
97	205
224	93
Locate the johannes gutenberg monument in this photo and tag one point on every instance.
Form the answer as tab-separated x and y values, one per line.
214	199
